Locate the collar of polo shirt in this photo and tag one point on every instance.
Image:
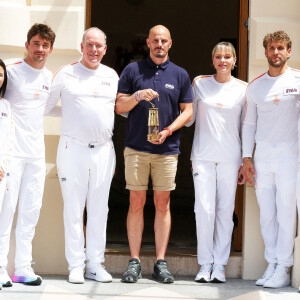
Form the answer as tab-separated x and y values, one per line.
164	65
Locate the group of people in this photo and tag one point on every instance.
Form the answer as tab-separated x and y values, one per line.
230	118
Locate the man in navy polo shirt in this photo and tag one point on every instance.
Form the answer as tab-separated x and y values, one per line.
147	80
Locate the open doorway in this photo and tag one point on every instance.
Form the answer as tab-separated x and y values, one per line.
196	26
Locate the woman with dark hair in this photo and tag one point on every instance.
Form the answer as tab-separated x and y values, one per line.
6	132
219	102
3	78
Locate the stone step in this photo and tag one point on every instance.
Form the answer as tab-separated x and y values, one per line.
180	263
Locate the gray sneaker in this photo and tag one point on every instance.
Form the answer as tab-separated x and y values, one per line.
133	272
161	272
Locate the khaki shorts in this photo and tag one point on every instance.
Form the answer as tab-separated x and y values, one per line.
140	165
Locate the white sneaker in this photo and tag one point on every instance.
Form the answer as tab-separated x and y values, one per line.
280	278
218	274
4	278
98	273
267	275
76	275
26	275
204	273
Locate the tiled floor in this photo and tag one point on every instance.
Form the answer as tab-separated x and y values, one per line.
57	288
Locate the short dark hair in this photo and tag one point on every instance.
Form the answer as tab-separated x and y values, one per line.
280	36
43	30
3	87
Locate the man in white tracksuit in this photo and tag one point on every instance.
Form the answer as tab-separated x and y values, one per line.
86	156
27	91
298	177
271	122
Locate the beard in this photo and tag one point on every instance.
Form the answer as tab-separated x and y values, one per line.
159	54
277	64
38	59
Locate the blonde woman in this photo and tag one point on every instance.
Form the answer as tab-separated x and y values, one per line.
219	102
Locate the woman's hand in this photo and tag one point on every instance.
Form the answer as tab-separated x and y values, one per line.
1	173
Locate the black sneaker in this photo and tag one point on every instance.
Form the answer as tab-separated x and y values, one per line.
133	272
161	272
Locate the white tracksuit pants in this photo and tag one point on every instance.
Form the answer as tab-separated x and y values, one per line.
215	186
276	197
85	176
25	183
298	190
2	190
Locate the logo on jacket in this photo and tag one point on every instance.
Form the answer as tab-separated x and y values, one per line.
96	92
169	86
291	91
37	94
276	100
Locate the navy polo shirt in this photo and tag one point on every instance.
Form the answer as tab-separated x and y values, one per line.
173	85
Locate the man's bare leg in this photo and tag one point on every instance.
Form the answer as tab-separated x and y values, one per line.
135	222
162	223
162	228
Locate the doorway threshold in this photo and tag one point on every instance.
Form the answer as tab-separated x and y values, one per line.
182	260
